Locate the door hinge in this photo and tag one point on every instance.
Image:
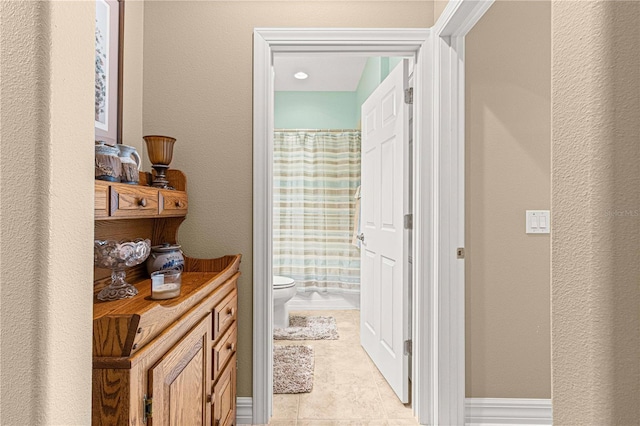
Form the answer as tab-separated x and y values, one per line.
460	252
408	221
148	408
408	96
408	347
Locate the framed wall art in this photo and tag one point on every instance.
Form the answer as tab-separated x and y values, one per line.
109	37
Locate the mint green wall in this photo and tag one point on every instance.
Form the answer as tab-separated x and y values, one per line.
368	82
375	70
393	62
316	110
331	110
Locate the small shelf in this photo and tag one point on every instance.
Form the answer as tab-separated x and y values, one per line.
115	200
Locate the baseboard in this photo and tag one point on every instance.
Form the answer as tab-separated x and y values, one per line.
508	411
244	410
478	411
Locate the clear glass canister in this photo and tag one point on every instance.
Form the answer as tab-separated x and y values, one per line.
166	284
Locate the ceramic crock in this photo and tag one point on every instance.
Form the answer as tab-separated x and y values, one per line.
165	256
108	165
130	160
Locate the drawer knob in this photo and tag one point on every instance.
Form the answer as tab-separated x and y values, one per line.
230	347
230	312
142	202
178	204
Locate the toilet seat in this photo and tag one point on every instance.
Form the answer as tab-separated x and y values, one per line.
282	282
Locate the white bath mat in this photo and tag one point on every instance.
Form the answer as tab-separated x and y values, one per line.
292	369
308	328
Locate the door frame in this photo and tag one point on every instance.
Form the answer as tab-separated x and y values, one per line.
438	365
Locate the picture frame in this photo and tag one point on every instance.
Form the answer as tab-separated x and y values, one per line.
109	38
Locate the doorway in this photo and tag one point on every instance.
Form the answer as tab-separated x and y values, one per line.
386	42
317	175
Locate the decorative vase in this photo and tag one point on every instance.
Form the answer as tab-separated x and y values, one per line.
160	149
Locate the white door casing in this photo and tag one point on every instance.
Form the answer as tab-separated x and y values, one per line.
384	248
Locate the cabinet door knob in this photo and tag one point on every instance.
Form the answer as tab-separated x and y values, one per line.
142	202
209	399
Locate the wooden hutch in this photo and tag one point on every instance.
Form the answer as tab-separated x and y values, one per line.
162	362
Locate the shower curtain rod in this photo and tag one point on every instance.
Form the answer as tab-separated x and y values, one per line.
317	130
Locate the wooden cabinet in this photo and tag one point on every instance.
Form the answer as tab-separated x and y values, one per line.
163	362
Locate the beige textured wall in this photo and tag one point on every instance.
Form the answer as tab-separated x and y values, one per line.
438	8
46	196
198	88
133	77
596	213
508	169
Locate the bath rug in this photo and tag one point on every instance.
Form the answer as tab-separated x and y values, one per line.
292	369
308	328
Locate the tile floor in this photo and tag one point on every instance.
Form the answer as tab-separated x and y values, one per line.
348	389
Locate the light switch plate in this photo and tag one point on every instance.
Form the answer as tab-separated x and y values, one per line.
538	221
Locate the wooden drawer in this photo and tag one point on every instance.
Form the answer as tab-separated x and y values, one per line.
133	201
173	203
223	350
224	397
101	200
225	313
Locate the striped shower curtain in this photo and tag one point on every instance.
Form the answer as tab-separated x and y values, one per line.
316	174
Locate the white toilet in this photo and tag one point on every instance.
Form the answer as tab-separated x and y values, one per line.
284	288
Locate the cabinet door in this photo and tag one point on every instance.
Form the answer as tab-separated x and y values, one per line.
179	382
224	397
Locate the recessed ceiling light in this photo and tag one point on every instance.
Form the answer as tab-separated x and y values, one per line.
301	75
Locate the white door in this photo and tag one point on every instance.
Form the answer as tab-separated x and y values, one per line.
384	310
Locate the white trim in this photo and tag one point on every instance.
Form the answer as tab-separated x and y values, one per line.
508	411
398	42
424	366
262	230
460	16
244	410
